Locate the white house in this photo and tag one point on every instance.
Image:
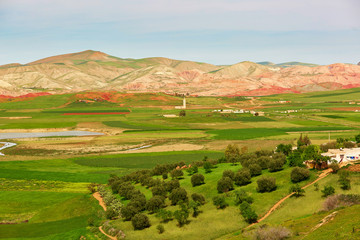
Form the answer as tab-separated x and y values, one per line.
343	154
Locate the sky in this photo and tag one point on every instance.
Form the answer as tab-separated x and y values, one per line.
213	31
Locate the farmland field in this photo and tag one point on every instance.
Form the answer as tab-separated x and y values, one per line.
44	181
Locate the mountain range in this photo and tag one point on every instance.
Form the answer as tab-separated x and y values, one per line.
94	70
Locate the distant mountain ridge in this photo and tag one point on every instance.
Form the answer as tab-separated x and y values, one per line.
94	70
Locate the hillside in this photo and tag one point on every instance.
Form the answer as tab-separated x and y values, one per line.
94	70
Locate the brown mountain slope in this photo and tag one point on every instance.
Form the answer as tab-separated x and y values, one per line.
92	70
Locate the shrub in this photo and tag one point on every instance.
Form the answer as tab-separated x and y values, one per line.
140	221
159	170
280	156
297	190
266	184
272	233
241	196
197	197
344	180
225	184
247	212
92	187
341	200
229	174
316	187
128	212
138	201
116	206
335	167
177	195
192	170
125	188
255	169
220	202
164	176
299	174
295	159
159	190
171	185
160	228
242	177
195	207
286	149
176	173
197	179
110	213
164	215
349	144
275	165
328	190
155	203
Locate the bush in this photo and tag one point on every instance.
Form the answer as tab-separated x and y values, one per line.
266	184
177	195
241	196
229	174
328	190
272	233
128	212
176	173
164	176
341	200
255	169
299	174
297	190
197	197
275	165
197	179
220	202
286	149
295	159
192	170
225	184
138	201
263	161
160	228
248	213
232	153
110	213
140	221
155	203
242	177
159	190
344	180
92	187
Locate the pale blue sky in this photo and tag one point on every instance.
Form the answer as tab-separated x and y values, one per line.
214	31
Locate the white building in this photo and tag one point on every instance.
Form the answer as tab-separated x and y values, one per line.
183	106
343	155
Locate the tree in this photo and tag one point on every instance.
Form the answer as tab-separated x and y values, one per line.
294	159
128	212
92	187
220	202
140	221
266	184
176	173
242	177
155	203
197	197
303	141
164	215
275	165
160	228
297	190
192	170
232	153
225	184
197	179
247	212
284	148
182	113
357	138
207	167
195	207
229	173
344	180
334	166
299	174
310	152
182	214
177	195
241	196
159	190
328	190
171	185
255	169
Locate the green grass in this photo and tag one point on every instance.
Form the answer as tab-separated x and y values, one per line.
146	160
41	102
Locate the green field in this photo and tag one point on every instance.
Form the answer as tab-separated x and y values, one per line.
44	181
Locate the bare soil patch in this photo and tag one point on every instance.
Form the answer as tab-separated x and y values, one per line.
354	168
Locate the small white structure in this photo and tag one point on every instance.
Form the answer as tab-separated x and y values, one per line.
170	115
343	155
183	106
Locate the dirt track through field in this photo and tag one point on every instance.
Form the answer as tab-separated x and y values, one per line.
273	208
101	201
102	231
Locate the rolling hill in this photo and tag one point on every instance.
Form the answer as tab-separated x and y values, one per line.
94	70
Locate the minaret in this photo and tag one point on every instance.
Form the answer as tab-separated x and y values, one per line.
184	103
